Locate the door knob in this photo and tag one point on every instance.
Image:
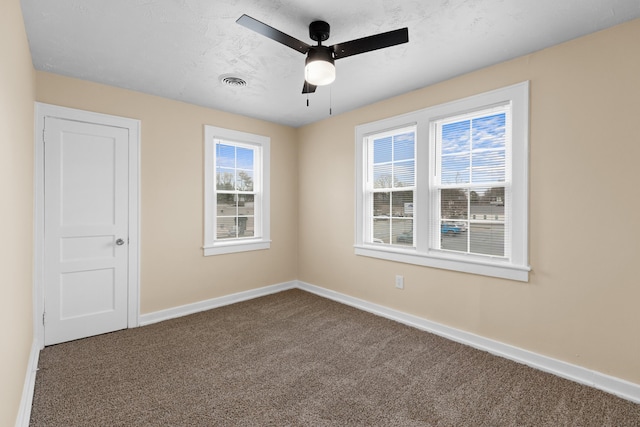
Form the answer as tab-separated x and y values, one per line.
119	242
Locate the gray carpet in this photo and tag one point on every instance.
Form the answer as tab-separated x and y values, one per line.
294	359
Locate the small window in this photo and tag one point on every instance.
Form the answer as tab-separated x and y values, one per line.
447	186
236	191
391	187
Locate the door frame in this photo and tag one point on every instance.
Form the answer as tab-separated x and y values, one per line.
42	111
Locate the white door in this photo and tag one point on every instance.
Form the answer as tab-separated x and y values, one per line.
86	226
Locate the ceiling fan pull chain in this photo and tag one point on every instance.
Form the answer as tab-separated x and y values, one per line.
330	101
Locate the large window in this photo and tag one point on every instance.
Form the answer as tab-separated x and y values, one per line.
471	184
236	191
447	187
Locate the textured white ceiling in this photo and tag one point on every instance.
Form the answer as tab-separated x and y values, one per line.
178	49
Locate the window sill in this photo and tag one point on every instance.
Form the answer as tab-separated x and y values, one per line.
236	246
488	267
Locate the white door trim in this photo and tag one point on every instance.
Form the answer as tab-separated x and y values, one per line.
133	125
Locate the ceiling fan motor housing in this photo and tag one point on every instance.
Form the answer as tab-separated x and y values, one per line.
319	31
320	53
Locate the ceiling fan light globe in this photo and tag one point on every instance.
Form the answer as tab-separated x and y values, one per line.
320	73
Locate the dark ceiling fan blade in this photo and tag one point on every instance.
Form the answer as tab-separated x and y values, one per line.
308	87
367	44
272	33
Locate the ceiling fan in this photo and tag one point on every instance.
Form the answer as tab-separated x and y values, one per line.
319	65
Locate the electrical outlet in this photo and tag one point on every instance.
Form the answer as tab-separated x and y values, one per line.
399	282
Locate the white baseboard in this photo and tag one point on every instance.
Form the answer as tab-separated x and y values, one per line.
619	387
24	412
184	310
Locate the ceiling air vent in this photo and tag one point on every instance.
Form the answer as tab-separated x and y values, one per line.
233	81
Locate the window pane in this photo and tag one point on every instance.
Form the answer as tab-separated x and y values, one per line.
241	226
226	228
246	204
244	180
225	179
382	150
453	236
225	155
453	204
403	146
487	216
244	158
487	204
487	238
235	227
402	231
404	174
488	166
455	137
489	131
402	203
455	169
382	176
226	205
247	226
381	230
382	204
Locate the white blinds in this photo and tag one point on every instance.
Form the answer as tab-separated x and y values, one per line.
471	183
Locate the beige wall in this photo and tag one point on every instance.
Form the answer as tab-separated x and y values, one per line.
173	269
17	93
581	303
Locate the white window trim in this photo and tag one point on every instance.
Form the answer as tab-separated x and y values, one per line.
517	267
212	246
